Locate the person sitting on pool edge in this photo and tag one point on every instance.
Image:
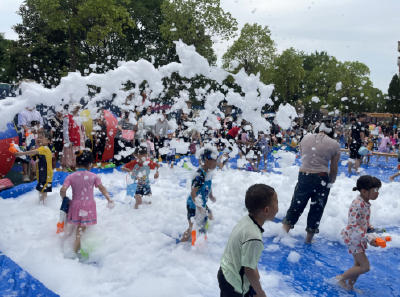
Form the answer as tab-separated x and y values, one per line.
238	274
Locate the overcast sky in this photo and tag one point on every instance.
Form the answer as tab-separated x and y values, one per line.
351	30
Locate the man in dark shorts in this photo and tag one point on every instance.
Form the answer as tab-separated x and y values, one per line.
357	132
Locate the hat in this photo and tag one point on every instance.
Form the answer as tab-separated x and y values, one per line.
169	132
234	124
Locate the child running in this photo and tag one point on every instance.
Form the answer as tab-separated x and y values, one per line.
355	235
43	157
140	169
238	274
201	187
82	208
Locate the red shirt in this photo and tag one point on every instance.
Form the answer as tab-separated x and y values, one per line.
132	164
234	131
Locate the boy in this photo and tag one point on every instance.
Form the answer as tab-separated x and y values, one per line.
140	168
44	170
223	159
238	274
171	153
201	187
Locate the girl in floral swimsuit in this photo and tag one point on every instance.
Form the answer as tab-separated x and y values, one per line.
355	235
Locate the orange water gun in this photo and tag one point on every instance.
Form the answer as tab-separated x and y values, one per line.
15	149
382	239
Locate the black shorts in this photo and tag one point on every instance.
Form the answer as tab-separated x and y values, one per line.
170	158
191	212
44	188
354	147
227	289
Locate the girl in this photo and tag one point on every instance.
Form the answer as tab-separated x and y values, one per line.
355	235
82	208
383	148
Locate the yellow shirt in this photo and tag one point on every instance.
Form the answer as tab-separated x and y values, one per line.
44	169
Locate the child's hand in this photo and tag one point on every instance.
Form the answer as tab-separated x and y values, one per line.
156	175
213	199
110	204
373	243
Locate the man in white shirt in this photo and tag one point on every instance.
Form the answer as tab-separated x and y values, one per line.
25	119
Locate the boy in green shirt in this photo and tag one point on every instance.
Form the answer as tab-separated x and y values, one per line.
238	274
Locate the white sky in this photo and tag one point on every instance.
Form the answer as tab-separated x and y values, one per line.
351	30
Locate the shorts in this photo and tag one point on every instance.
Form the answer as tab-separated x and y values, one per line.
170	158
45	188
143	190
191	212
227	289
354	147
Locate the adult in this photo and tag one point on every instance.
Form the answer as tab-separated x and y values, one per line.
233	132
122	143
315	179
74	138
357	130
57	135
160	132
100	137
195	141
25	118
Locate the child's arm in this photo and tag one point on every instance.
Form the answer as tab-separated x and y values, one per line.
105	193
124	169
28	153
63	192
212	198
253	277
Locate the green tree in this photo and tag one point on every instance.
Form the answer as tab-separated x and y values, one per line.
197	22
95	19
393	97
40	53
254	50
289	72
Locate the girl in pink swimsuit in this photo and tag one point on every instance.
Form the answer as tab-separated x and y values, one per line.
355	235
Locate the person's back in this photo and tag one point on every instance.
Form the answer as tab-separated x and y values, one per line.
316	152
82	183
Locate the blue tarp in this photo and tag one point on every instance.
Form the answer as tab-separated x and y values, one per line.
16	282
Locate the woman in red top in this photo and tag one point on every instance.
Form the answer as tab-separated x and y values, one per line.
232	133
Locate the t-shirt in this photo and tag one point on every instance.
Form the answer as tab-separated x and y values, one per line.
356	129
316	152
44	169
25	117
56	125
202	181
82	183
167	144
243	249
125	126
141	172
234	131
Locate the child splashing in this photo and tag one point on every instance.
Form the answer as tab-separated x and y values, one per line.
201	187
355	235
82	208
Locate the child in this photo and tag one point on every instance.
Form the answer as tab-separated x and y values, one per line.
82	208
44	170
223	159
238	274
201	187
266	146
355	235
140	168
150	144
171	154
383	148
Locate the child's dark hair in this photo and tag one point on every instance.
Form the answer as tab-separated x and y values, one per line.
84	158
367	182
141	150
258	197
46	134
34	123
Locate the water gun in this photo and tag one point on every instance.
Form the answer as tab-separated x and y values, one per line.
200	226
29	137
381	238
63	215
111	165
16	149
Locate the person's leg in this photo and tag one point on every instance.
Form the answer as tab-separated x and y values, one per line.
361	266
138	199
302	194
357	165
77	243
265	161
350	164
186	235
387	159
25	168
393	176
226	288
33	172
319	198
42	196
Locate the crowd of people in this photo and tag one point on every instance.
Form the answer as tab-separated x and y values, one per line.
140	148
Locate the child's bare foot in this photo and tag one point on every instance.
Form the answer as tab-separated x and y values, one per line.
342	283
